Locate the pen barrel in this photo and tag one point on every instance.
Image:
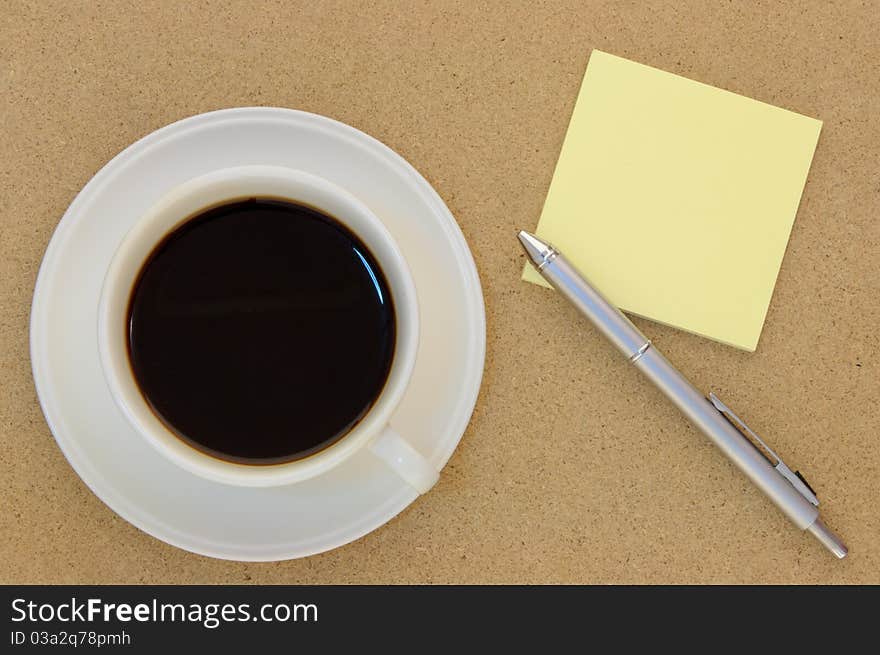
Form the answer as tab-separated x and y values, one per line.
706	418
609	320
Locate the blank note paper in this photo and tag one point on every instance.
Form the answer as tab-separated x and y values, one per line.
676	199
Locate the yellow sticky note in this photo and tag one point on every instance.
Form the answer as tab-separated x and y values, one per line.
676	199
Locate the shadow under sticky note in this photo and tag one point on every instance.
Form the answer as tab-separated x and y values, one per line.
676	198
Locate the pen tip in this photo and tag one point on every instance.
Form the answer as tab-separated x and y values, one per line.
534	247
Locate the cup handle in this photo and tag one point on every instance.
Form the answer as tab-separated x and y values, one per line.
406	461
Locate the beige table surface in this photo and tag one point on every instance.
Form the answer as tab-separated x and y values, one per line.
574	470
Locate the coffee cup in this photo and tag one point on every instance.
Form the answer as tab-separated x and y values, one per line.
372	433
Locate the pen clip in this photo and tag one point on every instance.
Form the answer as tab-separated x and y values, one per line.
795	478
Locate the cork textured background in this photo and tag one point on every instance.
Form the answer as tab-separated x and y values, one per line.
573	469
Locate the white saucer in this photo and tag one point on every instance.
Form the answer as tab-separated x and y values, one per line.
123	470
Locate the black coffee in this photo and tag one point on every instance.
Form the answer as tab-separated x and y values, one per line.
261	331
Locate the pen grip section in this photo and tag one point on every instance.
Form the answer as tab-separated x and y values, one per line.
600	311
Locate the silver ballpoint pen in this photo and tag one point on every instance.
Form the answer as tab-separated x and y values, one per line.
787	489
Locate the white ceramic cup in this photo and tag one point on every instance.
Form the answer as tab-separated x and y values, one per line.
373	432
